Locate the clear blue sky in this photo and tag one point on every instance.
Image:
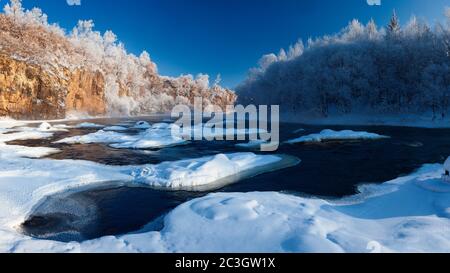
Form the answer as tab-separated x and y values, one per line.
224	36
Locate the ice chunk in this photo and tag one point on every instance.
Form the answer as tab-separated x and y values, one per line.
330	135
98	137
156	137
202	172
115	128
88	125
142	125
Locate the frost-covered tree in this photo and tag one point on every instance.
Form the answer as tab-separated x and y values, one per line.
394	24
133	85
362	70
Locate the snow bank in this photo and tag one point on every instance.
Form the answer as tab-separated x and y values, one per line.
158	136
45	130
21	151
383	218
208	172
330	135
273	222
25	182
7	123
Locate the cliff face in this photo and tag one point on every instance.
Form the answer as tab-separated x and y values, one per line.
45	74
86	93
29	92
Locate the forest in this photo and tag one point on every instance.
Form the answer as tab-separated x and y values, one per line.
362	70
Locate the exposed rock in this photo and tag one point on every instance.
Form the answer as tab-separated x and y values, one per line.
86	93
26	91
29	92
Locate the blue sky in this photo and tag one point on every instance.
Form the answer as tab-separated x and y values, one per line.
224	36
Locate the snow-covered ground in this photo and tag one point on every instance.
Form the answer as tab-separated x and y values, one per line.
10	131
330	135
408	214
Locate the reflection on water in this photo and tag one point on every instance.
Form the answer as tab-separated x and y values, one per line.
331	170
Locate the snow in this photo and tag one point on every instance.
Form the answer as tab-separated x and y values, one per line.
97	137
407	214
142	125
447	164
7	123
255	144
158	136
20	151
25	182
191	174
208	131
24	136
330	135
88	125
45	130
115	128
382	218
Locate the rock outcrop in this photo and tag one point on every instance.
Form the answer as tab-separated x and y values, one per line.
29	92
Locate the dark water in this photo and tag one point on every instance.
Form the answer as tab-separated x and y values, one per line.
331	170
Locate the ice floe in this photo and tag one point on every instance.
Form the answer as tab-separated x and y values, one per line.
331	135
88	125
210	171
158	136
142	125
256	144
45	130
98	137
21	151
115	128
298	131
